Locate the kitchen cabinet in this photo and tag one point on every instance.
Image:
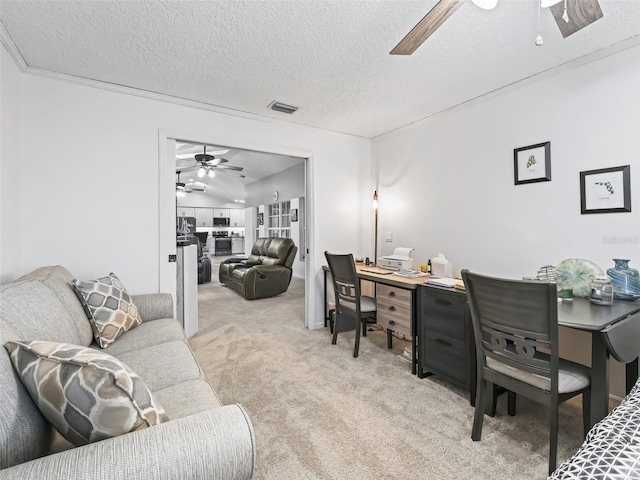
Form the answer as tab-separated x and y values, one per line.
186	212
204	217
445	337
237	217
237	245
221	212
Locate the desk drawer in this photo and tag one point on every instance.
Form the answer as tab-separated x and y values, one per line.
394	309
443	312
396	324
395	294
445	355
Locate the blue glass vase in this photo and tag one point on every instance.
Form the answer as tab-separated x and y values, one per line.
625	280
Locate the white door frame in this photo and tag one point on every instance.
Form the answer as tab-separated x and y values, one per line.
167	205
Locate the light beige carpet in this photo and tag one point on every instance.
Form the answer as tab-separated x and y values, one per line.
319	413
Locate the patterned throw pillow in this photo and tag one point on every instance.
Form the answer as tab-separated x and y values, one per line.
86	394
108	306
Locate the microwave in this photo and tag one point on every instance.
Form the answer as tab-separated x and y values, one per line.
221	221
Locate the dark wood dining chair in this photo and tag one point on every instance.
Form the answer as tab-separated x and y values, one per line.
351	307
515	326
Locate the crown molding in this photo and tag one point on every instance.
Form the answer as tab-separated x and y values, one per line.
7	41
160	97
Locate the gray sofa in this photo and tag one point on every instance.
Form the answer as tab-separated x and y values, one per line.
201	440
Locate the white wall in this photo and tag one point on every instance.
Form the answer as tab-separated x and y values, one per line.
85	180
10	199
201	199
289	183
447	185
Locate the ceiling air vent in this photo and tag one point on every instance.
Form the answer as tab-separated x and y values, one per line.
282	107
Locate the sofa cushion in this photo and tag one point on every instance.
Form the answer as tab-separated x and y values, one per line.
187	398
86	394
108	306
58	279
33	310
163	365
148	334
25	433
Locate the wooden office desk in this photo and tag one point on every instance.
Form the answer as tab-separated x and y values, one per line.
579	314
404	283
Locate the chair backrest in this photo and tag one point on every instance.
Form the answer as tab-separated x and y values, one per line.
345	282
512	320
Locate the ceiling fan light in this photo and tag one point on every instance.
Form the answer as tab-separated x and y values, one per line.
487	4
201	172
211	173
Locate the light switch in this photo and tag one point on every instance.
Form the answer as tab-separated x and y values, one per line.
388	237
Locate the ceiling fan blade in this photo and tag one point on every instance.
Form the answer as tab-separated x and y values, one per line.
425	27
229	167
581	13
187	168
205	158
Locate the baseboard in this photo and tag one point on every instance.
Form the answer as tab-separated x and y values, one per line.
614	401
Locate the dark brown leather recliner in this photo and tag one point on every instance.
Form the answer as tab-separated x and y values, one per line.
265	273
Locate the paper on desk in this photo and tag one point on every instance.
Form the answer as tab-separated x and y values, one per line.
443	282
400	253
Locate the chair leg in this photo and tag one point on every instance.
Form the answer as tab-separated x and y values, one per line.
553	436
389	339
364	327
586	412
478	417
511	403
334	329
494	400
356	349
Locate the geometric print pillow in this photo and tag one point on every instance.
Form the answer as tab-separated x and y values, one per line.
86	394
108	306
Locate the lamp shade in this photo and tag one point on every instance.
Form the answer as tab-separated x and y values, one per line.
487	4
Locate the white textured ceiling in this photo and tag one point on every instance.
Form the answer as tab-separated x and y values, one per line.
330	58
229	184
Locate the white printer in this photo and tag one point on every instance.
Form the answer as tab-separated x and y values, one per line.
400	260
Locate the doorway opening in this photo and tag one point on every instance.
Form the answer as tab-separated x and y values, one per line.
259	180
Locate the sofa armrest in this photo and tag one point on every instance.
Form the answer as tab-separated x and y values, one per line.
250	263
271	269
233	260
216	443
154	305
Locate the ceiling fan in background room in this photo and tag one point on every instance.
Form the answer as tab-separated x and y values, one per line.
181	187
206	164
570	15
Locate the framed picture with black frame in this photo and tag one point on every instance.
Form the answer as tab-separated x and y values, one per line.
532	164
261	218
294	214
607	190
